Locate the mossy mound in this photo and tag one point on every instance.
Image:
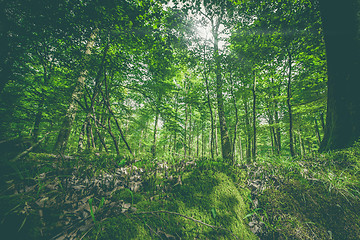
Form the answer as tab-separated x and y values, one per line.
213	198
208	196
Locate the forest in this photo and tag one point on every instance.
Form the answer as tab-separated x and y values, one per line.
179	119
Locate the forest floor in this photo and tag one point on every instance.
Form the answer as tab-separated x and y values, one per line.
93	196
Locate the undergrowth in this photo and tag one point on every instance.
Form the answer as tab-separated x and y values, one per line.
309	197
180	199
44	196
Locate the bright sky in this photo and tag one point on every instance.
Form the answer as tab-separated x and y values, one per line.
204	31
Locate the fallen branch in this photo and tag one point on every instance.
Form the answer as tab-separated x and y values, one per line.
8	140
189	218
29	149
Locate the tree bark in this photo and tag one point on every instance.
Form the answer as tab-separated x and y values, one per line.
225	139
210	109
190	130
153	147
277	133
247	128
113	137
291	137
241	149
197	145
185	129
254	119
236	117
341	24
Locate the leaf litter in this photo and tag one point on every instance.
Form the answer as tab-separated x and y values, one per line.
67	191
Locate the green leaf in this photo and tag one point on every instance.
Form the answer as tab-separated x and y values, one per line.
91	210
213	213
122	163
102	202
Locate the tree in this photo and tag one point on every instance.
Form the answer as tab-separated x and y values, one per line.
341	24
217	13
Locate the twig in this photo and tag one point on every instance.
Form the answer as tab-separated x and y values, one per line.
189	218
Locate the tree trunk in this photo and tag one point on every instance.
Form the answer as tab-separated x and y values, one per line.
272	139
241	149
121	132
185	129
101	138
38	118
216	146
291	137
190	129
322	122
301	144
90	136
236	116
210	109
317	130
341	24
153	147
39	114
81	137
113	137
225	139
254	119
247	128
107	103
202	141
64	133
274	143
6	50
277	133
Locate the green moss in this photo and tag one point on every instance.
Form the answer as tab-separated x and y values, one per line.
208	196
121	227
205	192
127	196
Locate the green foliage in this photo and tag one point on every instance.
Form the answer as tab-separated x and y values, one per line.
134	84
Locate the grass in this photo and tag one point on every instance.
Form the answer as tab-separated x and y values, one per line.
310	198
278	197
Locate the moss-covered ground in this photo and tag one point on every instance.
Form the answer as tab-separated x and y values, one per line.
107	197
208	196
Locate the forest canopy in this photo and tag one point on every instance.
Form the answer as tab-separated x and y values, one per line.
141	78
